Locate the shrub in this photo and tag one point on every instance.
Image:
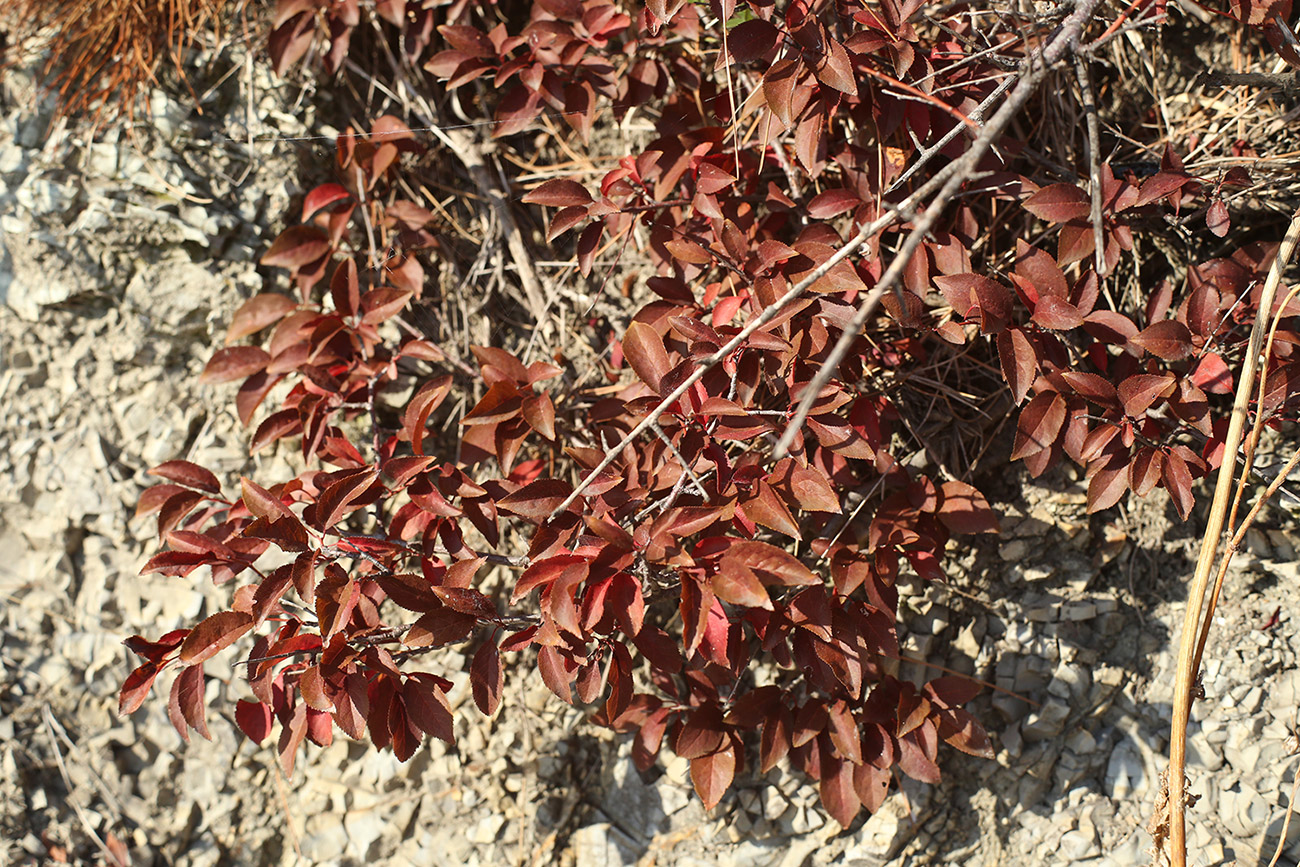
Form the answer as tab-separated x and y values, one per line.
701	538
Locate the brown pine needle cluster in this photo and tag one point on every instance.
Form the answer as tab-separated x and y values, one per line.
100	53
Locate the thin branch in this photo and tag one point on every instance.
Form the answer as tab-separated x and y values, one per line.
960	171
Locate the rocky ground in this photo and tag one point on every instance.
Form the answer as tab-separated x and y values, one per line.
120	263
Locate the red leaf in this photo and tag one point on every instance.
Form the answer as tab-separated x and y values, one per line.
686	250
136	688
322	197
559	193
644	350
1159	185
380	305
188	474
1106	487
836	70
913	761
297	246
234	362
838	794
214	635
469	601
872	785
1144	470
1178	481
1059	203
960	730
832	203
1040	422
702	733
775	741
1092	387
1140	391
486	678
257	313
440	627
537	499
426	400
752	40
254	720
778	89
262	503
1217	219
1056	314
952	690
539	412
565	220
555	674
1212	375
186	706
1109	327
1019	364
712	775
1167	339
737	584
428	709
333	502
771	564
587	244
965	510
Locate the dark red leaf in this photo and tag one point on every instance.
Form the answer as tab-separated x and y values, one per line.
1167	339
1106	487
1140	391
1217	219
1040	423
257	313
1018	361
1178	481
213	635
838	794
712	775
559	193
537	499
254	720
189	474
136	688
1212	375
1056	314
297	246
752	40
322	197
1059	203
644	350
234	362
965	510
1092	387
487	680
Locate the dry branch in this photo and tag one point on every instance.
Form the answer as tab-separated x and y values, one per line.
1061	44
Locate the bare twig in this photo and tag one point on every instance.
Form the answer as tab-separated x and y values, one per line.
1062	42
1094	163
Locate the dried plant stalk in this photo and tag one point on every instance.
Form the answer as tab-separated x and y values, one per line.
1209	550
